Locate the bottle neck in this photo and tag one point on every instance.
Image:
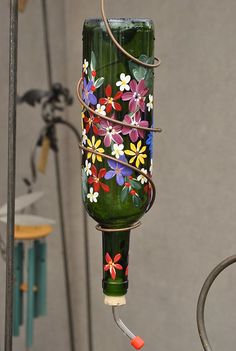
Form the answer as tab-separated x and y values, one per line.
115	262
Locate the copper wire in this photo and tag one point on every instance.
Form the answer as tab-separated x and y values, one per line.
147	129
119	47
102	229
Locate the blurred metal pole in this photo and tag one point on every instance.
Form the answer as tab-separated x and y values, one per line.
13	41
59	187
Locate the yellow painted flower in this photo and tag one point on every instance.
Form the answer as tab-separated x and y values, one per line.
137	153
94	145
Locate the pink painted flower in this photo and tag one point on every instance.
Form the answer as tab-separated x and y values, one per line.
112	265
137	95
111	132
132	131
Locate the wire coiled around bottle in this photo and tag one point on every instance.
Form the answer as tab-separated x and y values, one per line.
155	130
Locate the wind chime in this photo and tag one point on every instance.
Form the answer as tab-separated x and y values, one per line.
30	257
117	121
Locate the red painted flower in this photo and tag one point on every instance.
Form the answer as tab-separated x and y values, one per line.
112	265
91	122
110	101
127	271
95	179
148	190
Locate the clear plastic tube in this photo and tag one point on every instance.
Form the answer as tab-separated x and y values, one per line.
121	325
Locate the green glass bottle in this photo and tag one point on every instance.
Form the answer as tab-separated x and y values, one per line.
115	195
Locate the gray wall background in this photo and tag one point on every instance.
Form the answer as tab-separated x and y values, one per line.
192	225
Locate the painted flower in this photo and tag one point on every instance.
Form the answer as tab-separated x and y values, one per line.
84	137
91	122
117	150
92	196
149	142
150	103
134	133
123	83
110	132
109	101
82	119
141	177
94	145
137	95
151	167
85	66
87	168
118	170
101	109
87	94
112	265
148	190
137	153
95	179
127	271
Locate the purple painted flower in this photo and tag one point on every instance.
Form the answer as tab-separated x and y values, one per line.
150	143
132	131
111	132
87	94
137	95
118	170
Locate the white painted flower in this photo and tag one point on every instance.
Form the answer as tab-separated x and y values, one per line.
92	196
118	150
123	83
84	137
141	177
150	103
87	168
101	109
151	166
85	66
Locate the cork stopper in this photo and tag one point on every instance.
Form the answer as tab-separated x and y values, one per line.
115	300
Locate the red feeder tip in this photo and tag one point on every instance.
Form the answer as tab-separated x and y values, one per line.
137	342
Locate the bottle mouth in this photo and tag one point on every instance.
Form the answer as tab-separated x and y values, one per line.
119	19
128	21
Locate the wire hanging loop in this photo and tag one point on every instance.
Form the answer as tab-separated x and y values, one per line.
203	296
119	47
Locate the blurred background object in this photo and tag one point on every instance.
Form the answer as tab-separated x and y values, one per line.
22	5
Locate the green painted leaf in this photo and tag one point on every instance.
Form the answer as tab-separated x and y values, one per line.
89	73
140	72
124	193
136	185
98	82
93	61
144	58
136	201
